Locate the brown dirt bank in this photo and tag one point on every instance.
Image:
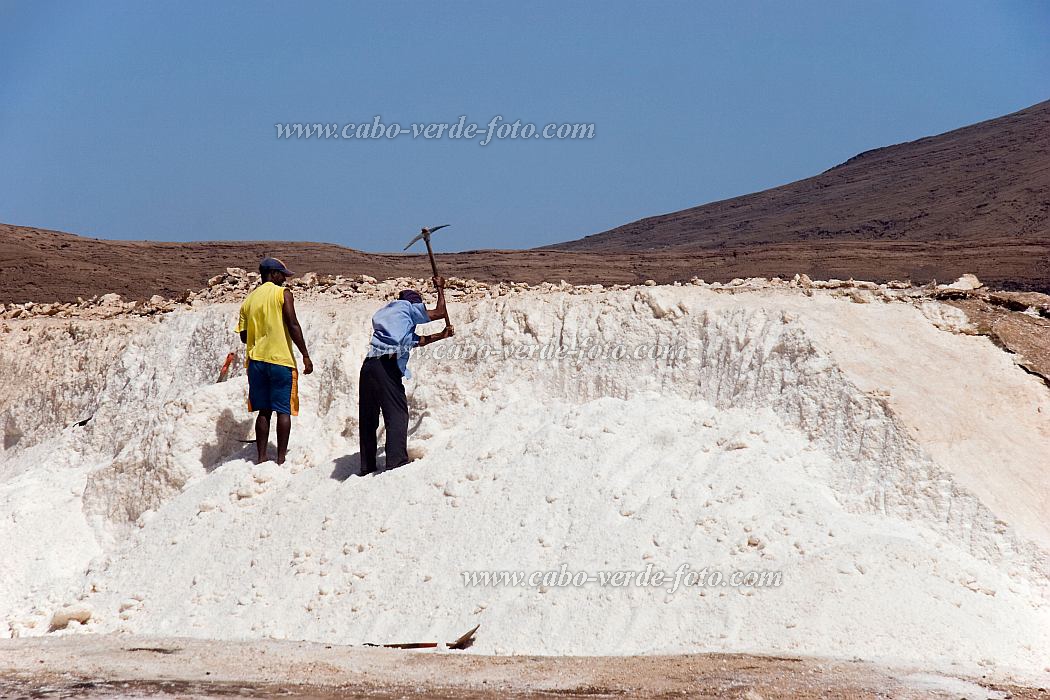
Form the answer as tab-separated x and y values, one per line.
47	266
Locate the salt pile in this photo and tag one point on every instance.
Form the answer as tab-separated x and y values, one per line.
894	470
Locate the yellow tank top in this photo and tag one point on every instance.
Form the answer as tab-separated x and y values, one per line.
262	315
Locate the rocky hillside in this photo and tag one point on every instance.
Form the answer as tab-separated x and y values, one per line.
989	181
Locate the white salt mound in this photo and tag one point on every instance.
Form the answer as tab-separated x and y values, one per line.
895	473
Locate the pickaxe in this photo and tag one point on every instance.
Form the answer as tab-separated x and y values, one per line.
425	235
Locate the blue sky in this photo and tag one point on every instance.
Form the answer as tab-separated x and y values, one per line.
144	120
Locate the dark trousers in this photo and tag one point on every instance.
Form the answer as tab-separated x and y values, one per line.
381	389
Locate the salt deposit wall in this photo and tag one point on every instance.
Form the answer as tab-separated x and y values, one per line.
158	427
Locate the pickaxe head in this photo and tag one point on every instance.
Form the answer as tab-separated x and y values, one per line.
424	234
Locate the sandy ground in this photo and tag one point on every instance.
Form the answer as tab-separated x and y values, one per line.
111	666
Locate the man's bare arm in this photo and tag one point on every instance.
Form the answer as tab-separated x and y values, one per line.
439	311
296	331
244	337
448	332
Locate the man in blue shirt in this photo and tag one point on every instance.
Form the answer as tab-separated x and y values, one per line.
381	389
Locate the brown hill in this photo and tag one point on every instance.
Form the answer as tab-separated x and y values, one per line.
986	181
42	265
47	266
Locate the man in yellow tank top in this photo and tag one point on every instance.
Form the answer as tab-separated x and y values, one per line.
268	326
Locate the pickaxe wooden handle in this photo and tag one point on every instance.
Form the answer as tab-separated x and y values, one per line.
430	252
425	235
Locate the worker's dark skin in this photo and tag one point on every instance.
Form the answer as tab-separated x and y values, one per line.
284	421
438	312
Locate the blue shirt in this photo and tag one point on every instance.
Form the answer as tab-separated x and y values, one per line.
394	331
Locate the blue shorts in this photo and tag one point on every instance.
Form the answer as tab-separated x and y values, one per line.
272	388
